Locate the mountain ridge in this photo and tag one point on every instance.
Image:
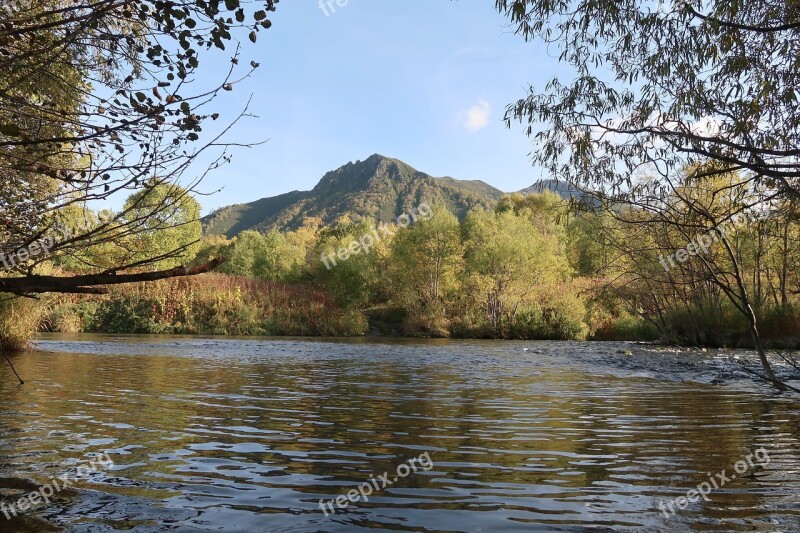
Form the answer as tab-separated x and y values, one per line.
379	188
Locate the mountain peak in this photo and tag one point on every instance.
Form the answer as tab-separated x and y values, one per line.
361	175
372	161
567	191
379	188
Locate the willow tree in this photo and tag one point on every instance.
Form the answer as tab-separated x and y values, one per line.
665	85
658	87
98	98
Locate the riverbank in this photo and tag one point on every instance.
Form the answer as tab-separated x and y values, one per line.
223	304
220	304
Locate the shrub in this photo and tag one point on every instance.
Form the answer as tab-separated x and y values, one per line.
626	327
19	318
211	304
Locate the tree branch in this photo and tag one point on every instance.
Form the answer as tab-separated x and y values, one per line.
88	283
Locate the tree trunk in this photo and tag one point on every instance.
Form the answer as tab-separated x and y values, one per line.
93	283
762	354
746	308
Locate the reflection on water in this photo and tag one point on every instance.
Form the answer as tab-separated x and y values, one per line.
247	435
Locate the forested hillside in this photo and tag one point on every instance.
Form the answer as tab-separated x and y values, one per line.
378	189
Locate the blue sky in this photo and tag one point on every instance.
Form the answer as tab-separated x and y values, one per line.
426	82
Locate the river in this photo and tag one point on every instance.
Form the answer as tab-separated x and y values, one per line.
250	435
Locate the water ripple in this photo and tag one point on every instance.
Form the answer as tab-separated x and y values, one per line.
249	435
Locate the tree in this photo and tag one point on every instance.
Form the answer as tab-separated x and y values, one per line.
589	243
424	267
667	86
97	98
212	246
513	257
693	251
704	85
271	257
163	220
244	253
345	263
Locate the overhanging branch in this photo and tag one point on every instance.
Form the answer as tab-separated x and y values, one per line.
93	283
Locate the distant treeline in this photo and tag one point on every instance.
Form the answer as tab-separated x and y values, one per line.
534	268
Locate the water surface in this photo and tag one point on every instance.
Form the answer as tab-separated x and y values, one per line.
249	435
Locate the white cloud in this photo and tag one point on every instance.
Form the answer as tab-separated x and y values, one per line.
477	116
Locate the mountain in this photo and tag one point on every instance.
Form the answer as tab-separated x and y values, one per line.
379	188
566	190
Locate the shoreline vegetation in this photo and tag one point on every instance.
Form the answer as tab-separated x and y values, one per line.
229	305
532	269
